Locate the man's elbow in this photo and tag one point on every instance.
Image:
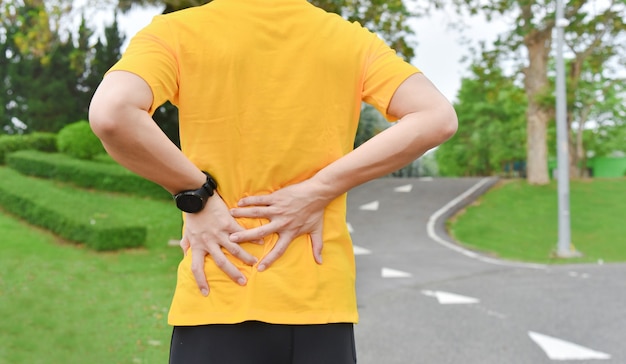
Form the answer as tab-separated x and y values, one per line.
107	114
449	123
100	119
443	123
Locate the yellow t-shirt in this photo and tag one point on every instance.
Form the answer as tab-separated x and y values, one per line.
269	92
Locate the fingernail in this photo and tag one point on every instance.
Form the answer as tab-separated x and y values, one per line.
205	292
234	237
261	267
241	281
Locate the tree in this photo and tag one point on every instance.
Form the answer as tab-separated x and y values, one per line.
105	53
491	110
37	81
608	132
595	104
47	74
530	39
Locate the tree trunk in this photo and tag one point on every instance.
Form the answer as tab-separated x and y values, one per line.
537	116
579	164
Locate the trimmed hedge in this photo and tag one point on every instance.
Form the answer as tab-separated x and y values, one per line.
78	140
88	174
72	214
45	142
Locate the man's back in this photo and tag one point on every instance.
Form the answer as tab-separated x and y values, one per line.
275	88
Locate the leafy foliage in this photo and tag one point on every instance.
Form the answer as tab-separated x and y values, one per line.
594	36
45	142
48	74
490	139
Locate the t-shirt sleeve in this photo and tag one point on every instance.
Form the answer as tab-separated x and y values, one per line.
151	56
384	72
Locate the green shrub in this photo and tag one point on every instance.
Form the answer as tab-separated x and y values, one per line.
87	174
77	140
45	142
72	214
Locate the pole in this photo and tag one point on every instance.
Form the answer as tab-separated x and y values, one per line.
564	249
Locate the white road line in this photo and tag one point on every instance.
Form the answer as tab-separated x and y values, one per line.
393	273
557	349
372	206
468	253
405	188
360	251
447	298
350	228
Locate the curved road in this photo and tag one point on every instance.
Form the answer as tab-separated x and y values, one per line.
423	299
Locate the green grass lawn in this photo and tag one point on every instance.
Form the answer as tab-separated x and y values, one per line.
63	303
518	221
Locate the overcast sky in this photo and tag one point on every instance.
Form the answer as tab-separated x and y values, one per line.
439	50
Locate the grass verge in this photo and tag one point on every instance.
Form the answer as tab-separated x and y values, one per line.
519	221
63	303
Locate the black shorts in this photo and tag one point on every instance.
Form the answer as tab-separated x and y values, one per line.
254	342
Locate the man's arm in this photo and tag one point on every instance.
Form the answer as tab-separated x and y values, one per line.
119	116
426	119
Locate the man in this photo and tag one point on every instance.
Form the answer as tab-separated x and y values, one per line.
269	95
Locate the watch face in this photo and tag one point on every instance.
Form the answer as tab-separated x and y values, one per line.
189	202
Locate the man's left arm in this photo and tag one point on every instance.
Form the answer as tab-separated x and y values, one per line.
426	119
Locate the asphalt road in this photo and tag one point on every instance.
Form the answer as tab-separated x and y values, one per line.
422	299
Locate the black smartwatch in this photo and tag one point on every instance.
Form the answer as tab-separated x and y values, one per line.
194	200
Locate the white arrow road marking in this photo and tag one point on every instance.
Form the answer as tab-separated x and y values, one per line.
557	349
393	273
405	188
350	228
576	274
372	206
447	298
360	251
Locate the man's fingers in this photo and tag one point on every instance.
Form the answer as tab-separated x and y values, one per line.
226	266
197	268
249	212
255	200
253	235
278	250
317	244
184	245
237	251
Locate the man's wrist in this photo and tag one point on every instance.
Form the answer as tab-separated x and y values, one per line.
192	201
322	189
